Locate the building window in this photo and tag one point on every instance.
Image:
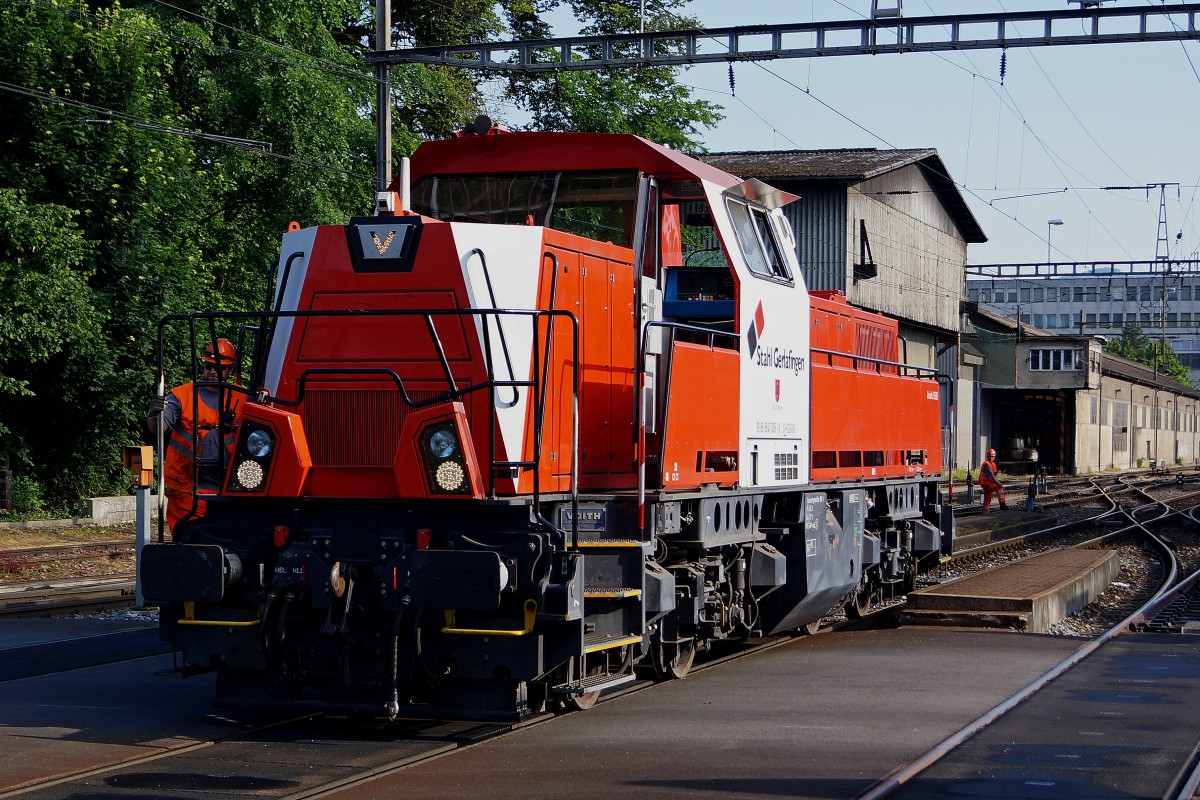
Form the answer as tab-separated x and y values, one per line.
985	296
1185	318
1078	294
1012	296
1039	320
973	295
1039	294
1025	294
1105	319
1118	318
1091	319
1047	359
1145	319
1172	319
1185	292
1145	298
1026	319
1064	295
1118	293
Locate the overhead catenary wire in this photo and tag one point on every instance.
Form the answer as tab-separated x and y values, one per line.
250	145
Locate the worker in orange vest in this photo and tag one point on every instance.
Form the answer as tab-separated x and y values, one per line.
191	412
989	483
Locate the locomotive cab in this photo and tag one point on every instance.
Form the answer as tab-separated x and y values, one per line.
558	421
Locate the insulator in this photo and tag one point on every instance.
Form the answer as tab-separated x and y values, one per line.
1003	65
732	88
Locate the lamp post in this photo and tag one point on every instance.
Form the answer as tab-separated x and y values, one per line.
1050	223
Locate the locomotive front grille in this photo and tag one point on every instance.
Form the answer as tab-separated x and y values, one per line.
355	427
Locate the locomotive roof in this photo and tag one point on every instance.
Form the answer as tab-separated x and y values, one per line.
543	150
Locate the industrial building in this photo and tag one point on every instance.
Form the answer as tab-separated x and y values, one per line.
1100	303
1058	401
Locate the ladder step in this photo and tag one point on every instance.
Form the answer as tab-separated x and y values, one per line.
596	643
609	542
615	593
596	683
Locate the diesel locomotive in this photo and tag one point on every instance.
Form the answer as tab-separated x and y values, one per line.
560	411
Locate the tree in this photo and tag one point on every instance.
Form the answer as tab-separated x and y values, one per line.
647	101
1135	345
129	220
151	154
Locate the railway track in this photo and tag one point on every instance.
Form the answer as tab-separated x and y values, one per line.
108	582
349	754
1172	605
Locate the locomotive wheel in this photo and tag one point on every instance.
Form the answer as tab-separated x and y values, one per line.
679	667
581	702
859	605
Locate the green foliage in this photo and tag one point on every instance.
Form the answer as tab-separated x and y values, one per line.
123	198
104	228
646	101
1135	345
26	495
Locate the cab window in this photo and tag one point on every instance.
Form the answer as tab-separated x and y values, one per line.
756	236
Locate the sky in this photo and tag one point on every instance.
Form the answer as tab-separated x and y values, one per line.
1066	122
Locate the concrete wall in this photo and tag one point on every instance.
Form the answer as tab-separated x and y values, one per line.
96	511
1161	426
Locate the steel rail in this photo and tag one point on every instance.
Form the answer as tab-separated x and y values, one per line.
27	597
55	552
914	768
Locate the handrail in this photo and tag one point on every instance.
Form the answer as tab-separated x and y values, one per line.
909	370
537	384
530	617
639	383
487	279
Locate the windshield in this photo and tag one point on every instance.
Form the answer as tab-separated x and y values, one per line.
598	205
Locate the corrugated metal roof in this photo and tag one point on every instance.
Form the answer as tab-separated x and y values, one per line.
852	166
846	165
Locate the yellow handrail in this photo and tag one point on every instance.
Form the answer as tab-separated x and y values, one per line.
531	608
189	618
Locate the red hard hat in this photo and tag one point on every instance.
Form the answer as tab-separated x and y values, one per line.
991	452
225	352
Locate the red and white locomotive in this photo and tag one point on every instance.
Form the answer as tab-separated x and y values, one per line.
572	414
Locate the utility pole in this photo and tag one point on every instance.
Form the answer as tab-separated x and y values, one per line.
383	95
1162	256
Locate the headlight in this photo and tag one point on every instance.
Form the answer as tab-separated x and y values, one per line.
252	459
444	459
250	474
258	443
449	476
443	444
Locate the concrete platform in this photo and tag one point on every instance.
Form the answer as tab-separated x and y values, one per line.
1030	595
1118	726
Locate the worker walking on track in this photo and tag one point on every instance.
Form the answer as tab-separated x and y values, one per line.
195	413
989	483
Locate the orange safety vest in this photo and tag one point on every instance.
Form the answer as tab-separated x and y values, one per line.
202	417
987	474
